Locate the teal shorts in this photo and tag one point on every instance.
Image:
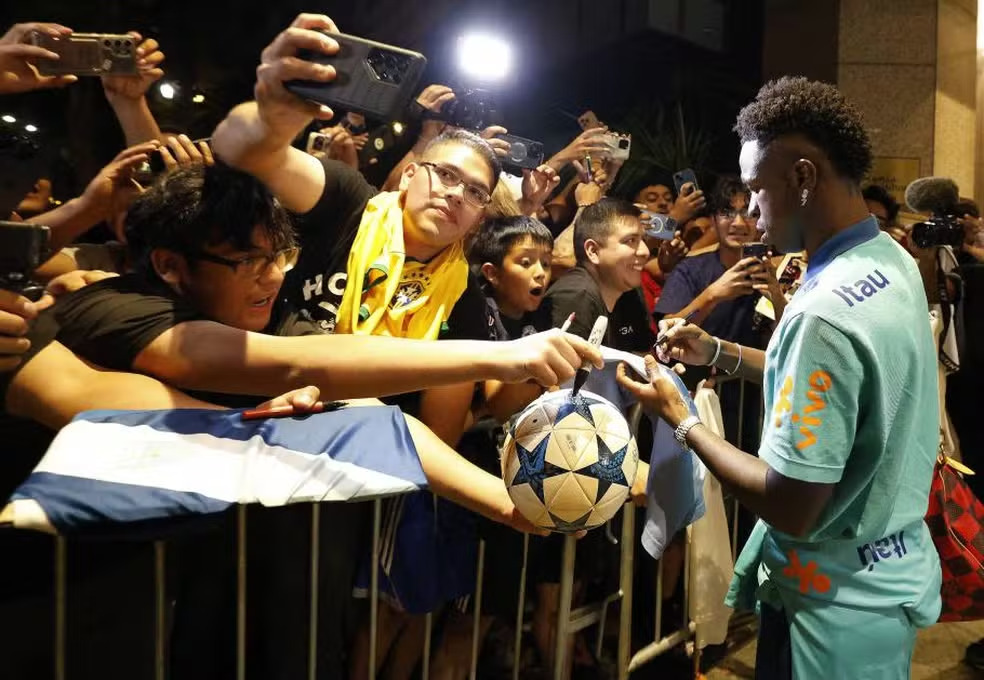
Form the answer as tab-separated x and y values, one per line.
828	641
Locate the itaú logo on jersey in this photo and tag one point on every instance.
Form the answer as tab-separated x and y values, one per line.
862	289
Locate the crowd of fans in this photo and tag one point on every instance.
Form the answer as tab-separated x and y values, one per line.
257	264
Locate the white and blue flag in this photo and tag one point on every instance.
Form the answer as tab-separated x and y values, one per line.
108	471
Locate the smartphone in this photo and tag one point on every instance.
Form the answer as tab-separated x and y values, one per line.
685	176
318	141
23	247
658	225
619	145
87	54
589	120
373	79
756	250
523	153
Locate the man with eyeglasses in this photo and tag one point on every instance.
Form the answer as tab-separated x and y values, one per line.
719	287
372	263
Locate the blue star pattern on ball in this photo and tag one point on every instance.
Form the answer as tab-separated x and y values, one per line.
576	404
531	466
569	527
608	469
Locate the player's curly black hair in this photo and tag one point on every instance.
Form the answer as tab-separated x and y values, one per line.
816	110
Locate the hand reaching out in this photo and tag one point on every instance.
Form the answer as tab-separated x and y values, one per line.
149	71
432	99
180	151
537	185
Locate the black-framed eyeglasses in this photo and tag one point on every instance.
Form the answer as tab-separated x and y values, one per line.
731	215
477	195
254	265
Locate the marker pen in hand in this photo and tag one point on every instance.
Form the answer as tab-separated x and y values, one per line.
661	338
288	410
597	335
567	324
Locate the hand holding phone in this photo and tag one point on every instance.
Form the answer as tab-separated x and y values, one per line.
589	120
371	78
756	250
684	177
87	54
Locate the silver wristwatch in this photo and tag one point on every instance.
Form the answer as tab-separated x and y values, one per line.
681	431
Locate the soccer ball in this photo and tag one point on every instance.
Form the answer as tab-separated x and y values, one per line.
568	461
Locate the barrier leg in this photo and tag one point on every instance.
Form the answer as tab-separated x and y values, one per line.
477	622
377	519
241	592
520	605
626	584
428	633
61	597
315	584
160	611
564	607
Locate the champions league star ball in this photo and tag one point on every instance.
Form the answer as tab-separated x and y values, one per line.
569	461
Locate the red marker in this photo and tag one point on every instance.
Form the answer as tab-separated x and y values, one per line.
289	410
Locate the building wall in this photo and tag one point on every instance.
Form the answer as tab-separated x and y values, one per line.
909	65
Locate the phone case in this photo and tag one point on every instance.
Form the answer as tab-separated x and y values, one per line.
523	153
682	177
373	79
88	54
588	120
620	146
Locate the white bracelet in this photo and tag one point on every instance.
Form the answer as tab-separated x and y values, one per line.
717	352
738	365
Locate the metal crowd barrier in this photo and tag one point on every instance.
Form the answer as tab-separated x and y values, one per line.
569	620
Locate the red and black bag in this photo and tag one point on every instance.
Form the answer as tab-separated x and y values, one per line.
956	522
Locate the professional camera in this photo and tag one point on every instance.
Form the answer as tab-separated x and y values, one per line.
938	230
23	247
937	196
471	109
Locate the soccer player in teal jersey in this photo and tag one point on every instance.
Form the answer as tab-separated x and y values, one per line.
841	562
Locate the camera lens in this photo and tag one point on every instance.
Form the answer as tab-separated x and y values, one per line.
517	151
623	144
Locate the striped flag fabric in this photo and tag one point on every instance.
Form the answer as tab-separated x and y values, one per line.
110	472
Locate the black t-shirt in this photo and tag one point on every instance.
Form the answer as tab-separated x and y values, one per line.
578	292
112	321
108	323
313	289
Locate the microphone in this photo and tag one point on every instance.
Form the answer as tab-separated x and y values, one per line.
937	195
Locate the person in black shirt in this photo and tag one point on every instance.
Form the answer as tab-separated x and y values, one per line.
610	255
210	245
390	263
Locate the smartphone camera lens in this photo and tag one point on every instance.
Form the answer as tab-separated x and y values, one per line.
107	43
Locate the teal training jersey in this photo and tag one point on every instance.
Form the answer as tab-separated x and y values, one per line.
851	399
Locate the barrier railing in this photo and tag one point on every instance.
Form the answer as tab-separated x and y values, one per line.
570	620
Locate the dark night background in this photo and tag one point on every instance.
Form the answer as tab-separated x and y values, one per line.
672	72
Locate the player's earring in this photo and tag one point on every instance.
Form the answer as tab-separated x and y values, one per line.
804	197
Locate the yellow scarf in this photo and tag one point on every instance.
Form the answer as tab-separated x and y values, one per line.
385	294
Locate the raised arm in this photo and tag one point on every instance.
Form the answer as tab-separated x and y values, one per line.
127	95
256	136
